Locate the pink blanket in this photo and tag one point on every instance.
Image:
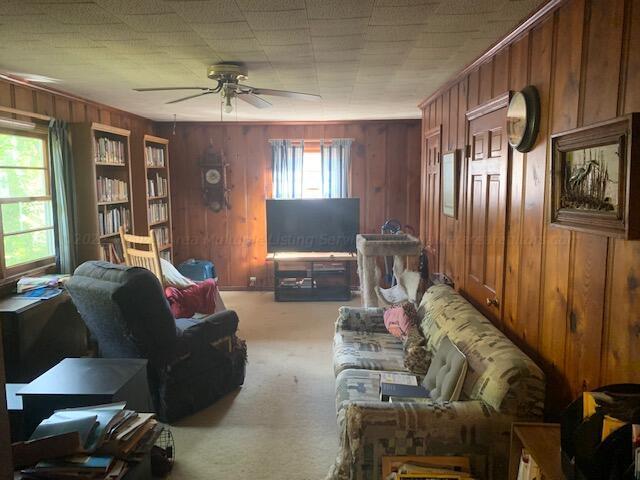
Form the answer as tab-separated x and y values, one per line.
200	298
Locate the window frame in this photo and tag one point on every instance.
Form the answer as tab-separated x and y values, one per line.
10	273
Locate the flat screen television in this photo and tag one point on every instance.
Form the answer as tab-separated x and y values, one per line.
313	225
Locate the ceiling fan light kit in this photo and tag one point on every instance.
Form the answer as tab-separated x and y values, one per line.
228	76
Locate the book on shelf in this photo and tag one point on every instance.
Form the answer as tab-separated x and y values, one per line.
166	254
158	212
111	190
109	221
157	186
154	156
108	150
111	252
107	440
162	236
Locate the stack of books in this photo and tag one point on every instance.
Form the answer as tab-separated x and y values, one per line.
26	284
400	387
99	442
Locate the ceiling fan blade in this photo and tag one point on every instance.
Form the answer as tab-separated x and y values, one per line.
285	93
189	97
254	100
169	88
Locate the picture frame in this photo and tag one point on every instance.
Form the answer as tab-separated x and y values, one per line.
595	176
449	165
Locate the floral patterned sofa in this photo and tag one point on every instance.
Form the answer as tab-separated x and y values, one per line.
502	385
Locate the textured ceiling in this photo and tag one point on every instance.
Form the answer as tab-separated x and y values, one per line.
367	58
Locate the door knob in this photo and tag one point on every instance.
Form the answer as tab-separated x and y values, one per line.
492	302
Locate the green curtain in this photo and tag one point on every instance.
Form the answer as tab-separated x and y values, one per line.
63	188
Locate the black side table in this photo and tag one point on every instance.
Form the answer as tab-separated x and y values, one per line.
81	382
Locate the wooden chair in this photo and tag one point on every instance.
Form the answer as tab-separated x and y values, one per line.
142	251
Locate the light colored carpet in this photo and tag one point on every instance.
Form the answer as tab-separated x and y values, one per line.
281	424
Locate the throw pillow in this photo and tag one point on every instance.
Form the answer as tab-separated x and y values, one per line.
416	356
446	373
397	321
172	277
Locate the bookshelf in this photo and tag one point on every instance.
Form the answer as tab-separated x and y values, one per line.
102	159
158	192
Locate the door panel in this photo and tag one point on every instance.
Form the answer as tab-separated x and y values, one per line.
486	204
431	178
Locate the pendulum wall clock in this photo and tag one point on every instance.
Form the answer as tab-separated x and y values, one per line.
213	173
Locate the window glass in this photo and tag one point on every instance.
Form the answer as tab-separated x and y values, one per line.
21	216
311	175
17	151
25	202
28	247
21	182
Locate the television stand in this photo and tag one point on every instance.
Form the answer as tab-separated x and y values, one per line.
311	276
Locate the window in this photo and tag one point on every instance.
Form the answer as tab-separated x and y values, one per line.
311	174
26	211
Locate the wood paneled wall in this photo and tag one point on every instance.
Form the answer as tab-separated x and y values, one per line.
385	176
73	109
571	300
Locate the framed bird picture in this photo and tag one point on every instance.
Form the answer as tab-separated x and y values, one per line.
595	178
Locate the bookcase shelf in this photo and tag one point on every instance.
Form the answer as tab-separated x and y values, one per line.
158	192
102	155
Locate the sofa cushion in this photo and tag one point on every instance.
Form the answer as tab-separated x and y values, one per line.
357	385
373	351
498	373
446	373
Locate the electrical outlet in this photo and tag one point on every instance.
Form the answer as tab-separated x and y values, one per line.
252	281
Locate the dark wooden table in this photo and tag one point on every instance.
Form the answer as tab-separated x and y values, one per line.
37	334
79	382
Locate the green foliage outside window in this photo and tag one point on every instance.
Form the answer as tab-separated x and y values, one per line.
27	223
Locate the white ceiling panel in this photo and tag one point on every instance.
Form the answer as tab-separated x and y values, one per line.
367	58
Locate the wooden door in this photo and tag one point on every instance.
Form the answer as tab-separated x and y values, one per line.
487	170
430	224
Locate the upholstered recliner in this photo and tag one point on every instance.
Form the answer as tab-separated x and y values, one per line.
192	362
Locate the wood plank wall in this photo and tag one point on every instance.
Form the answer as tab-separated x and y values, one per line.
571	300
385	175
72	109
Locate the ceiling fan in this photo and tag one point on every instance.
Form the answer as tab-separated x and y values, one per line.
228	76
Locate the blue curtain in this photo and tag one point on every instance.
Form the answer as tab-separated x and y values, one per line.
287	168
63	187
336	164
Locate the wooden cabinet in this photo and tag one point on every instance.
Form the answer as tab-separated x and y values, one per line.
102	167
